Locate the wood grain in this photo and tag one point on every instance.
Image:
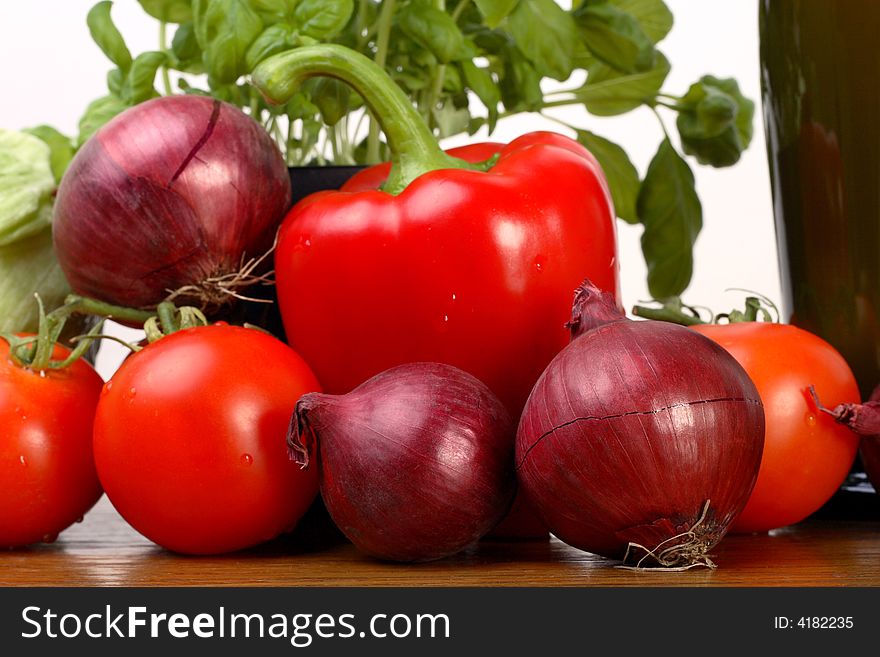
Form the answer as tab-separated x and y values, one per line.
104	551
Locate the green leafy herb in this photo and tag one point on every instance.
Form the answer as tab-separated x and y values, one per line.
715	121
609	92
616	38
495	11
435	30
653	16
671	212
106	35
97	114
225	30
546	35
321	19
139	85
623	179
168	11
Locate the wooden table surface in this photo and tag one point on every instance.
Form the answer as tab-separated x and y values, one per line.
104	551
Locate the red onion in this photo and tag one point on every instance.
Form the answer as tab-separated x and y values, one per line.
175	194
641	441
863	419
415	464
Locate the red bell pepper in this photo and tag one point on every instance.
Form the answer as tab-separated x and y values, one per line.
433	257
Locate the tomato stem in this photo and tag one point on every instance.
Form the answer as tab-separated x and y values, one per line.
672	310
757	308
87	306
170	319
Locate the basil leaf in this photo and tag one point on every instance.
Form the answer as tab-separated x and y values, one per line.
615	37
545	33
521	84
622	177
185	46
715	121
272	11
115	81
322	19
608	92
273	40
434	30
26	186
98	113
450	120
169	11
225	29
480	81
60	148
653	16
453	83
332	97
670	210
139	85
106	35
495	11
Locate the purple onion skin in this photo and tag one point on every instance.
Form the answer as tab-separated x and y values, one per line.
416	463
633	428
170	193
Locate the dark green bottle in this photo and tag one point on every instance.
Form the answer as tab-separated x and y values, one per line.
820	74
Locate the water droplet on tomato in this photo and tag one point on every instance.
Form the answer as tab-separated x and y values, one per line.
132	391
22	460
453	296
442	323
811	420
247	459
540	262
304	243
42	374
80	519
108	386
50	538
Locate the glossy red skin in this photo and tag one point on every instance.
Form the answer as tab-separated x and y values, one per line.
807	456
47	474
175	427
473	269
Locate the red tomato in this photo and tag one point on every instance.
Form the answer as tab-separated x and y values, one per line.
190	440
47	474
806	455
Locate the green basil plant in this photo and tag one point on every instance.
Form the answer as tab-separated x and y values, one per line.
443	54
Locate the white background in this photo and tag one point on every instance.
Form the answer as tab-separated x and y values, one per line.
52	70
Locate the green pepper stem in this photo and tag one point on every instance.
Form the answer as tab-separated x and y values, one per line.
414	150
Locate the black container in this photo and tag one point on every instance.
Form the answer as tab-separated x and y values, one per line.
310	179
303	181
